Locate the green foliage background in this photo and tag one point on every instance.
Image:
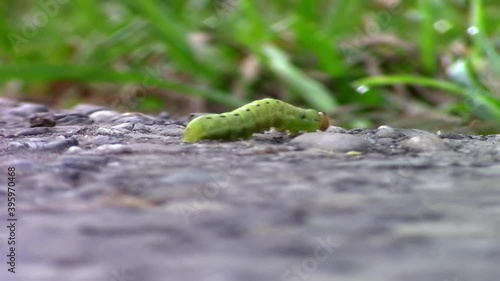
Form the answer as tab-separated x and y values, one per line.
364	62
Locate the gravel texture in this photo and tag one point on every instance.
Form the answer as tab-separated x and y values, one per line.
103	195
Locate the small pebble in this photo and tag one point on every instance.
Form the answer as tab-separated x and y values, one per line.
113	148
7	102
414	132
132	117
452	136
59	144
27	109
74	150
141	128
333	142
164	115
87	109
388	132
45	119
425	142
55	145
110	131
73	119
33	131
16	145
124	126
336	129
100	140
103	116
170	131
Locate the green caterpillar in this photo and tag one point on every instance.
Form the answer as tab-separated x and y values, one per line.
255	117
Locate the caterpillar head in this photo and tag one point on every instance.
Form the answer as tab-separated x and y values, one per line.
308	120
325	123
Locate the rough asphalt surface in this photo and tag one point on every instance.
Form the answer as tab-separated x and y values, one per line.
118	197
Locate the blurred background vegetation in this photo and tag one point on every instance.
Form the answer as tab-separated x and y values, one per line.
419	63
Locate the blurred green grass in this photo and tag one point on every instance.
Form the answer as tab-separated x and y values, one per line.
365	62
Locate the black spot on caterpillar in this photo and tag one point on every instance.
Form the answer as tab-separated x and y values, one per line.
255	117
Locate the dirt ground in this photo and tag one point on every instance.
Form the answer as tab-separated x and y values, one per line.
118	197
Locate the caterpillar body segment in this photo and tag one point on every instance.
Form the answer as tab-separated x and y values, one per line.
255	117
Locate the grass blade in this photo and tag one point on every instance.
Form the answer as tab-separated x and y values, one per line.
175	37
310	90
89	73
427	37
314	39
478	98
479	36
